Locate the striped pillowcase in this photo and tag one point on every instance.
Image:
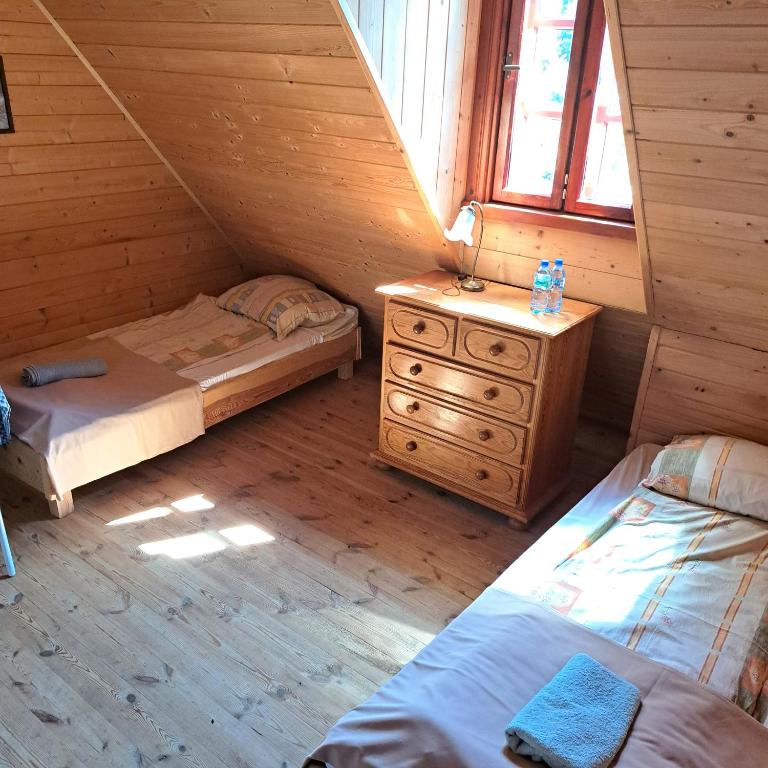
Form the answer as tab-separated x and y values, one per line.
282	302
716	471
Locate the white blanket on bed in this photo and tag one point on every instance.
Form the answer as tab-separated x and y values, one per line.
202	342
90	428
683	584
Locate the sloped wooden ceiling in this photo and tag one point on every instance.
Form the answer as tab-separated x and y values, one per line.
698	87
94	228
267	113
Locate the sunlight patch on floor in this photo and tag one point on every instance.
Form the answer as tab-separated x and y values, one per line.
245	535
207	542
196	503
139	517
178	548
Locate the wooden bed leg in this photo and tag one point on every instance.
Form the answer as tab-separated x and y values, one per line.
346	370
61	506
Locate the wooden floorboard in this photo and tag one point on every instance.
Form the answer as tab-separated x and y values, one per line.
296	580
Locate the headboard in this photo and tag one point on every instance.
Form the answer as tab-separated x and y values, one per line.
692	385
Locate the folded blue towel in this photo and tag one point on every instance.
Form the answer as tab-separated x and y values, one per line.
579	719
38	375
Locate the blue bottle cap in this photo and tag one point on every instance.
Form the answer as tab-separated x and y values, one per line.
544	263
558	262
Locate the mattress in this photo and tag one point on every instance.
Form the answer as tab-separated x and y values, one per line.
682	584
91	427
210	345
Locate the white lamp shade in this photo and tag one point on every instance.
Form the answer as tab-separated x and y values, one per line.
462	227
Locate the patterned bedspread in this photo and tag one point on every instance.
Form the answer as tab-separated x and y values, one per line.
683	584
202	342
196	333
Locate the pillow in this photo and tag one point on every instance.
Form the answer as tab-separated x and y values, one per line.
716	471
282	302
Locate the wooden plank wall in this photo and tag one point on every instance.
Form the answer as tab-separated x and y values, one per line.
695	385
266	112
407	43
424	51
698	86
602	269
268	115
615	363
94	229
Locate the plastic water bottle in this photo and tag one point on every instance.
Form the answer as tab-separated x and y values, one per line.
542	280
555	300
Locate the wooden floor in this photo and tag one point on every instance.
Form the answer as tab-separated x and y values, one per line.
290	580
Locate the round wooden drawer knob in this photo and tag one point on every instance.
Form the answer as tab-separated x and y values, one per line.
412	407
481	474
410	445
484	435
415	369
489	393
420	327
495	349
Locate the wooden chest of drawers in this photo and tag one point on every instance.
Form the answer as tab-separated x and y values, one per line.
479	395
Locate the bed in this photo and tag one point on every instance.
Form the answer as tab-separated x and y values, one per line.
574	590
199	357
237	362
670	594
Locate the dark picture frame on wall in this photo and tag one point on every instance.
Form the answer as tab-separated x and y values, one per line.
6	118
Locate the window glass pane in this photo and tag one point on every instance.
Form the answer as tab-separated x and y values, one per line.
540	94
606	175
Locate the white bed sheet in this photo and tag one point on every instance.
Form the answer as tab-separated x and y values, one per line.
677	582
189	334
542	557
219	369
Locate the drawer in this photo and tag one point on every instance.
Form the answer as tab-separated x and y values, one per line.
457	384
506	352
487	436
481	475
417	327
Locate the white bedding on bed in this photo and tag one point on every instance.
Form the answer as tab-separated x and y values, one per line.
543	556
209	345
681	583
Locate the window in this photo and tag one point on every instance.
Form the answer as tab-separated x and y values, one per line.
559	143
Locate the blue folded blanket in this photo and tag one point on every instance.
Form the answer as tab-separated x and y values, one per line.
579	719
38	375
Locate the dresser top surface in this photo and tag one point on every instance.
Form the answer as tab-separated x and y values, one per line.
498	303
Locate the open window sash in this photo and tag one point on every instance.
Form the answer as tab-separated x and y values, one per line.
539	103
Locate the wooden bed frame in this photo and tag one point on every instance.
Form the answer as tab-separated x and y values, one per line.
220	401
696	385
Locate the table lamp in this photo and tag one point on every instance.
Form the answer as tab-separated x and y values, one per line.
461	232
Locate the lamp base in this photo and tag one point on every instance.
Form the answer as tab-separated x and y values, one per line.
470	284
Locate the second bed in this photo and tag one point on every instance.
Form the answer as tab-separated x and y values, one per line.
171	376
